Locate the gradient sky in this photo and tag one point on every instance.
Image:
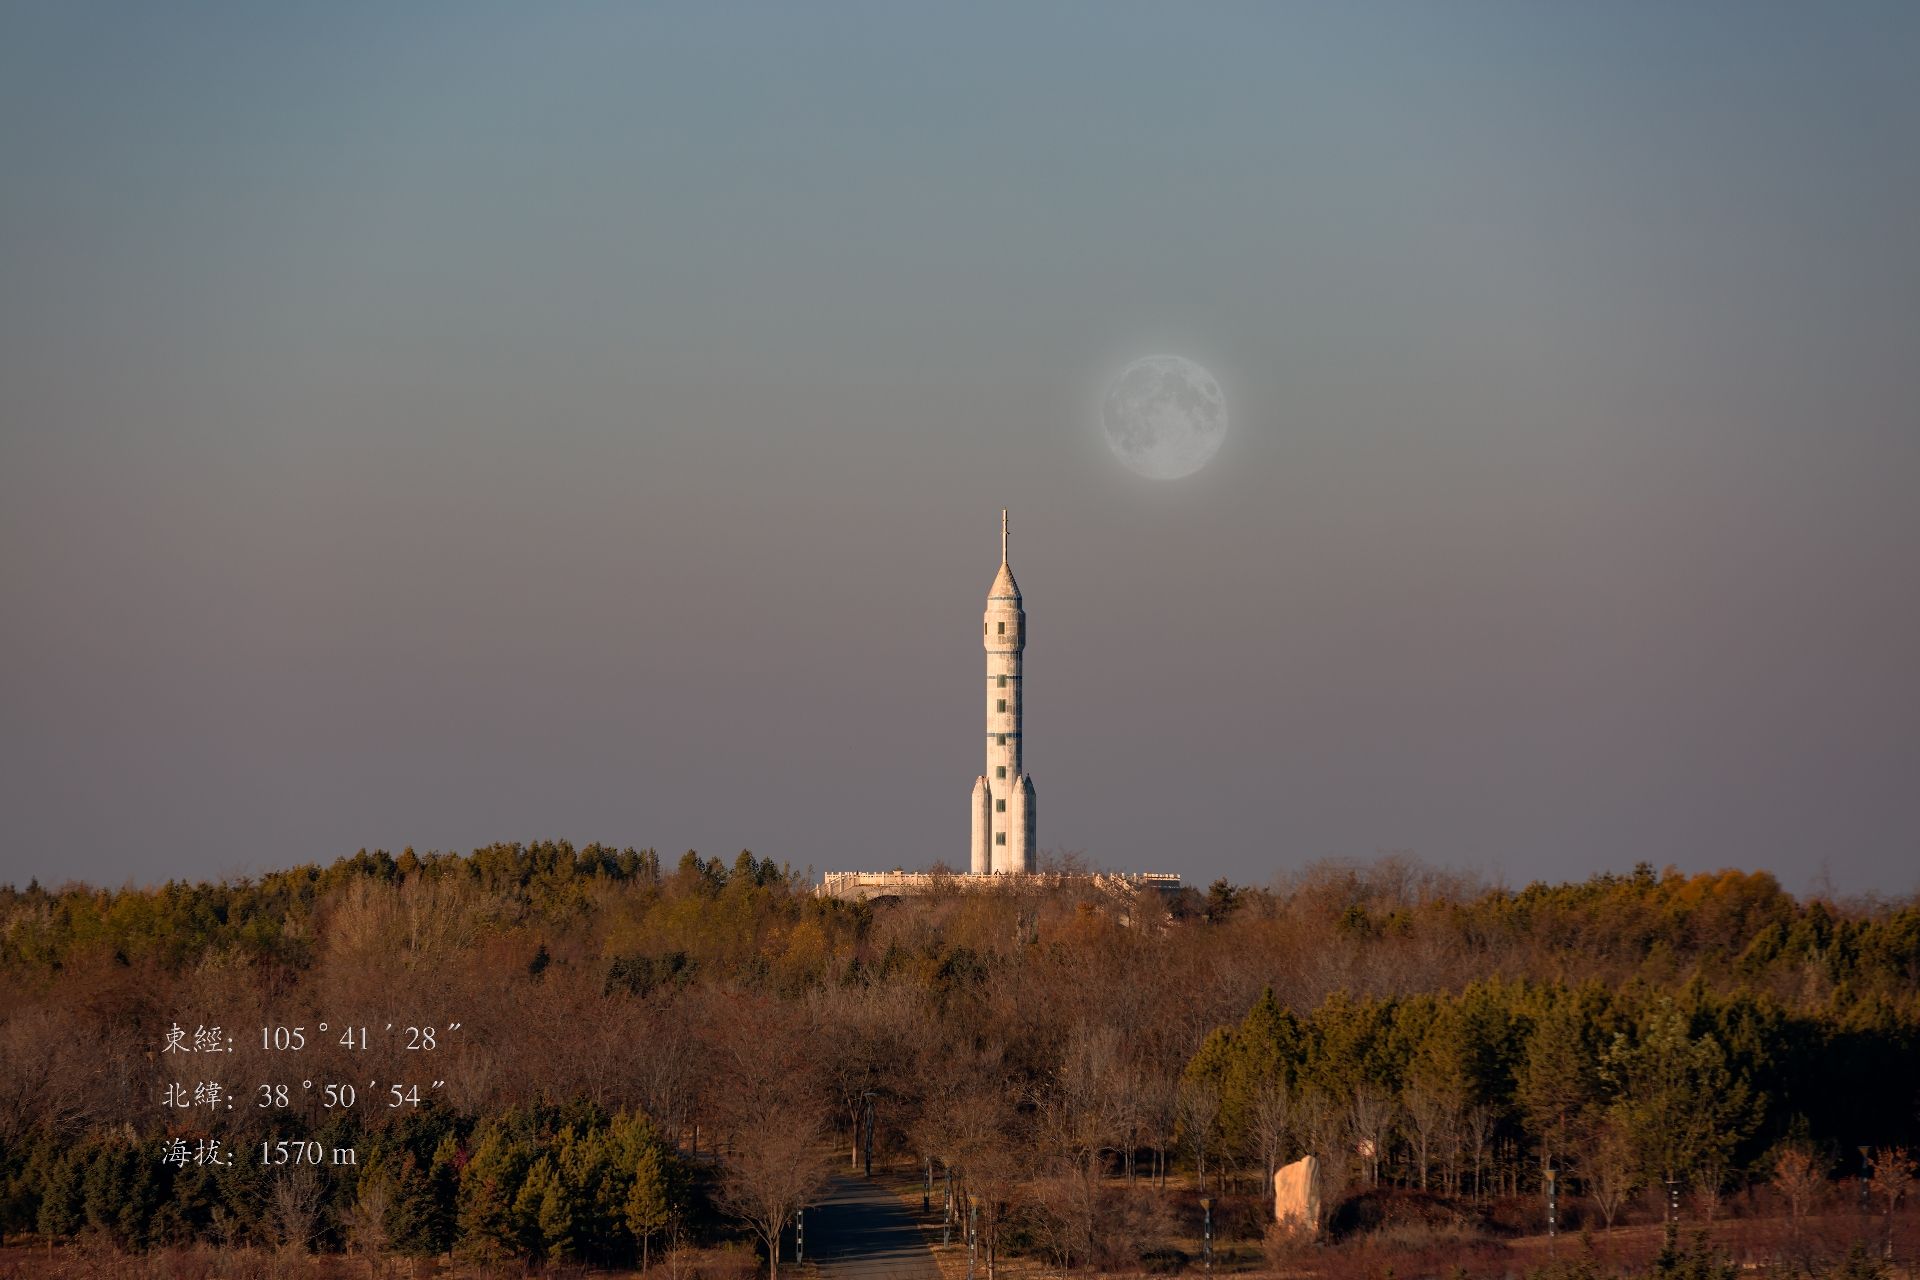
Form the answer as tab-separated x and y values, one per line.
443	424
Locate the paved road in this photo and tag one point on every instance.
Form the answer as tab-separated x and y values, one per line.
863	1232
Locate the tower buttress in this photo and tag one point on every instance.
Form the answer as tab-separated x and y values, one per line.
980	862
1020	826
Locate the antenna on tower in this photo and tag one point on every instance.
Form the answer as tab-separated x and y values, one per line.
1003	535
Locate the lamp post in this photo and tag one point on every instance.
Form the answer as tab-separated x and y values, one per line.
926	1189
867	1097
1673	1200
1553	1203
973	1231
799	1235
1206	1232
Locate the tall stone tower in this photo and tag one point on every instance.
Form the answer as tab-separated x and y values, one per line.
1003	795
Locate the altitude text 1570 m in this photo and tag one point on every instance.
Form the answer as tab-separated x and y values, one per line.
308	1152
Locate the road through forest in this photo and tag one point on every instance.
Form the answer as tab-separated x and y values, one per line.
862	1231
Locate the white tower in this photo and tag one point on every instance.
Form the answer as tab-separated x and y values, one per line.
1003	795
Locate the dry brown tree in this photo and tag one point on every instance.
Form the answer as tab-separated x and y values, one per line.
1270	1127
295	1205
946	1072
1084	1096
1710	1184
987	1154
866	1026
1612	1172
1198	1110
1159	1097
1428	1110
1477	1127
775	1160
1890	1175
1371	1114
1124	1084
664	1065
773	1170
1798	1175
364	1223
1322	1125
1063	1197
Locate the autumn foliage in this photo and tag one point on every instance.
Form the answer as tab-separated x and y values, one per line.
651	1054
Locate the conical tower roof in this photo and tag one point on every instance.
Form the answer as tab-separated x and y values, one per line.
1004	587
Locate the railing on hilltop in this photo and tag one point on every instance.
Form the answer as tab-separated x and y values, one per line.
838	883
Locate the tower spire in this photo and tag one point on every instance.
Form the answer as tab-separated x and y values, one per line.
1003	535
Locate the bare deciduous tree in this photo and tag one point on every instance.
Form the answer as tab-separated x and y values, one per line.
1062	1213
863	1025
986	1154
771	1103
1709	1184
296	1207
364	1223
1198	1116
1370	1118
1611	1171
1160	1114
1322	1123
1270	1126
1428	1111
1479	1130
1890	1175
1798	1175
773	1169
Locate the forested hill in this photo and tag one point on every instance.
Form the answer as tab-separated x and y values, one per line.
1629	1030
1387	928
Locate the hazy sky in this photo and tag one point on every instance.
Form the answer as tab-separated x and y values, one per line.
436	425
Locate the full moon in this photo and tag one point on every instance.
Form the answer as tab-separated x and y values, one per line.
1164	416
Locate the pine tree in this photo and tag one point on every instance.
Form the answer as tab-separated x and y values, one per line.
1556	1084
554	1220
1676	1098
543	1213
489	1188
63	1201
648	1209
443	1189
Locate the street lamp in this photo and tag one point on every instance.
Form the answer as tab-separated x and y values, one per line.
1206	1236
799	1235
926	1189
867	1097
1553	1203
973	1231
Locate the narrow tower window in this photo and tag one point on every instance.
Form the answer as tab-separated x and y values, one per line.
999	806
1003	682
1003	740
1003	704
999	771
999	837
1003	628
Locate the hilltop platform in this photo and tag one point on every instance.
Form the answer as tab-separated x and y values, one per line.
857	886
